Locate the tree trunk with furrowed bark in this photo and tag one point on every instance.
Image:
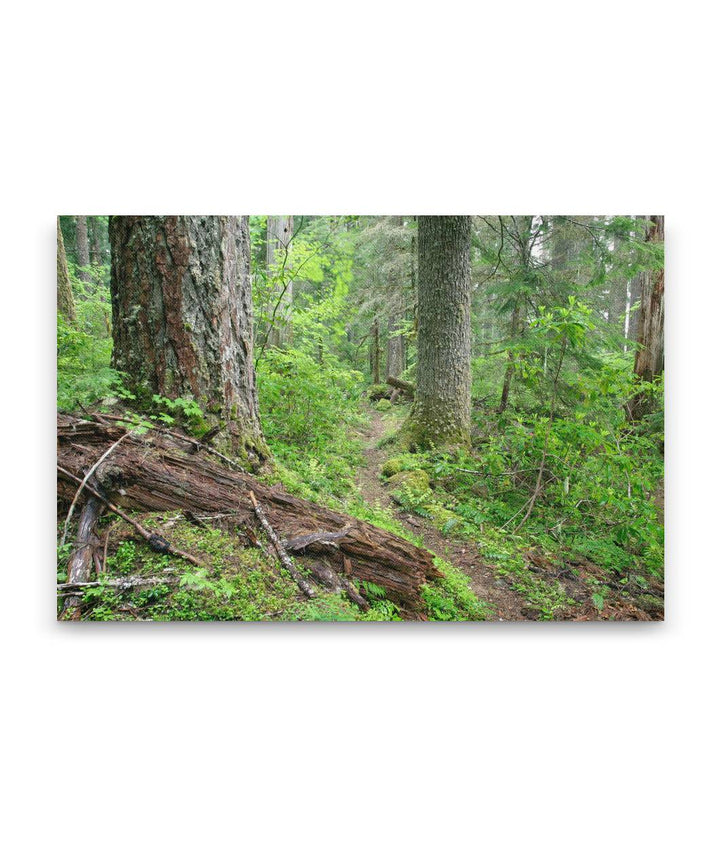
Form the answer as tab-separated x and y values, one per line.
441	413
182	317
156	472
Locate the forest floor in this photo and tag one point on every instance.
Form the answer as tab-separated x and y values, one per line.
511	599
507	604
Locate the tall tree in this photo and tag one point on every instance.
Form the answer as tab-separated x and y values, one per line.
395	344
65	301
279	236
95	230
518	230
397	274
649	356
375	351
441	411
82	248
182	317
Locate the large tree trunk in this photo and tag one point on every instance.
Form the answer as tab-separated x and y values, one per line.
82	248
160	473
441	412
279	235
651	318
182	317
65	301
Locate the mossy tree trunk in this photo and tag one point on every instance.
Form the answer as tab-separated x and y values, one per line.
182	317
65	300
441	412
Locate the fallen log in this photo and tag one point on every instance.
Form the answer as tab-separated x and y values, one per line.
120	583
402	385
81	562
156	542
155	472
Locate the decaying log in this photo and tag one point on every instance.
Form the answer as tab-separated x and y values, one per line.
324	573
81	562
156	542
285	559
121	583
402	385
156	473
202	443
85	480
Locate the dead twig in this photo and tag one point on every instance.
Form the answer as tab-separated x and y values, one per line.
285	559
83	483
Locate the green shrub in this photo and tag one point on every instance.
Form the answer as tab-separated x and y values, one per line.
307	411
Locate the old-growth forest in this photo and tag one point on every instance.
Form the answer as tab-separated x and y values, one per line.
356	418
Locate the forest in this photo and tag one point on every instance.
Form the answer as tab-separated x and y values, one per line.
360	418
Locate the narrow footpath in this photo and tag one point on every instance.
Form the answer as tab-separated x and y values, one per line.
508	604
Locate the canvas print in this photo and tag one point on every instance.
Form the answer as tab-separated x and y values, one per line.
360	418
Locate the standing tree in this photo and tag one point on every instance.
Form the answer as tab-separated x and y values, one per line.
395	344
182	317
279	235
519	231
82	248
95	228
651	319
441	411
65	301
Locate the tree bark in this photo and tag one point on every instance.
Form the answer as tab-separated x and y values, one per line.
182	318
65	300
82	248
279	234
649	357
441	412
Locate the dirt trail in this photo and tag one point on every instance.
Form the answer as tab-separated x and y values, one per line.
462	554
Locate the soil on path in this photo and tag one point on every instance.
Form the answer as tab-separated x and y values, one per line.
508	604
